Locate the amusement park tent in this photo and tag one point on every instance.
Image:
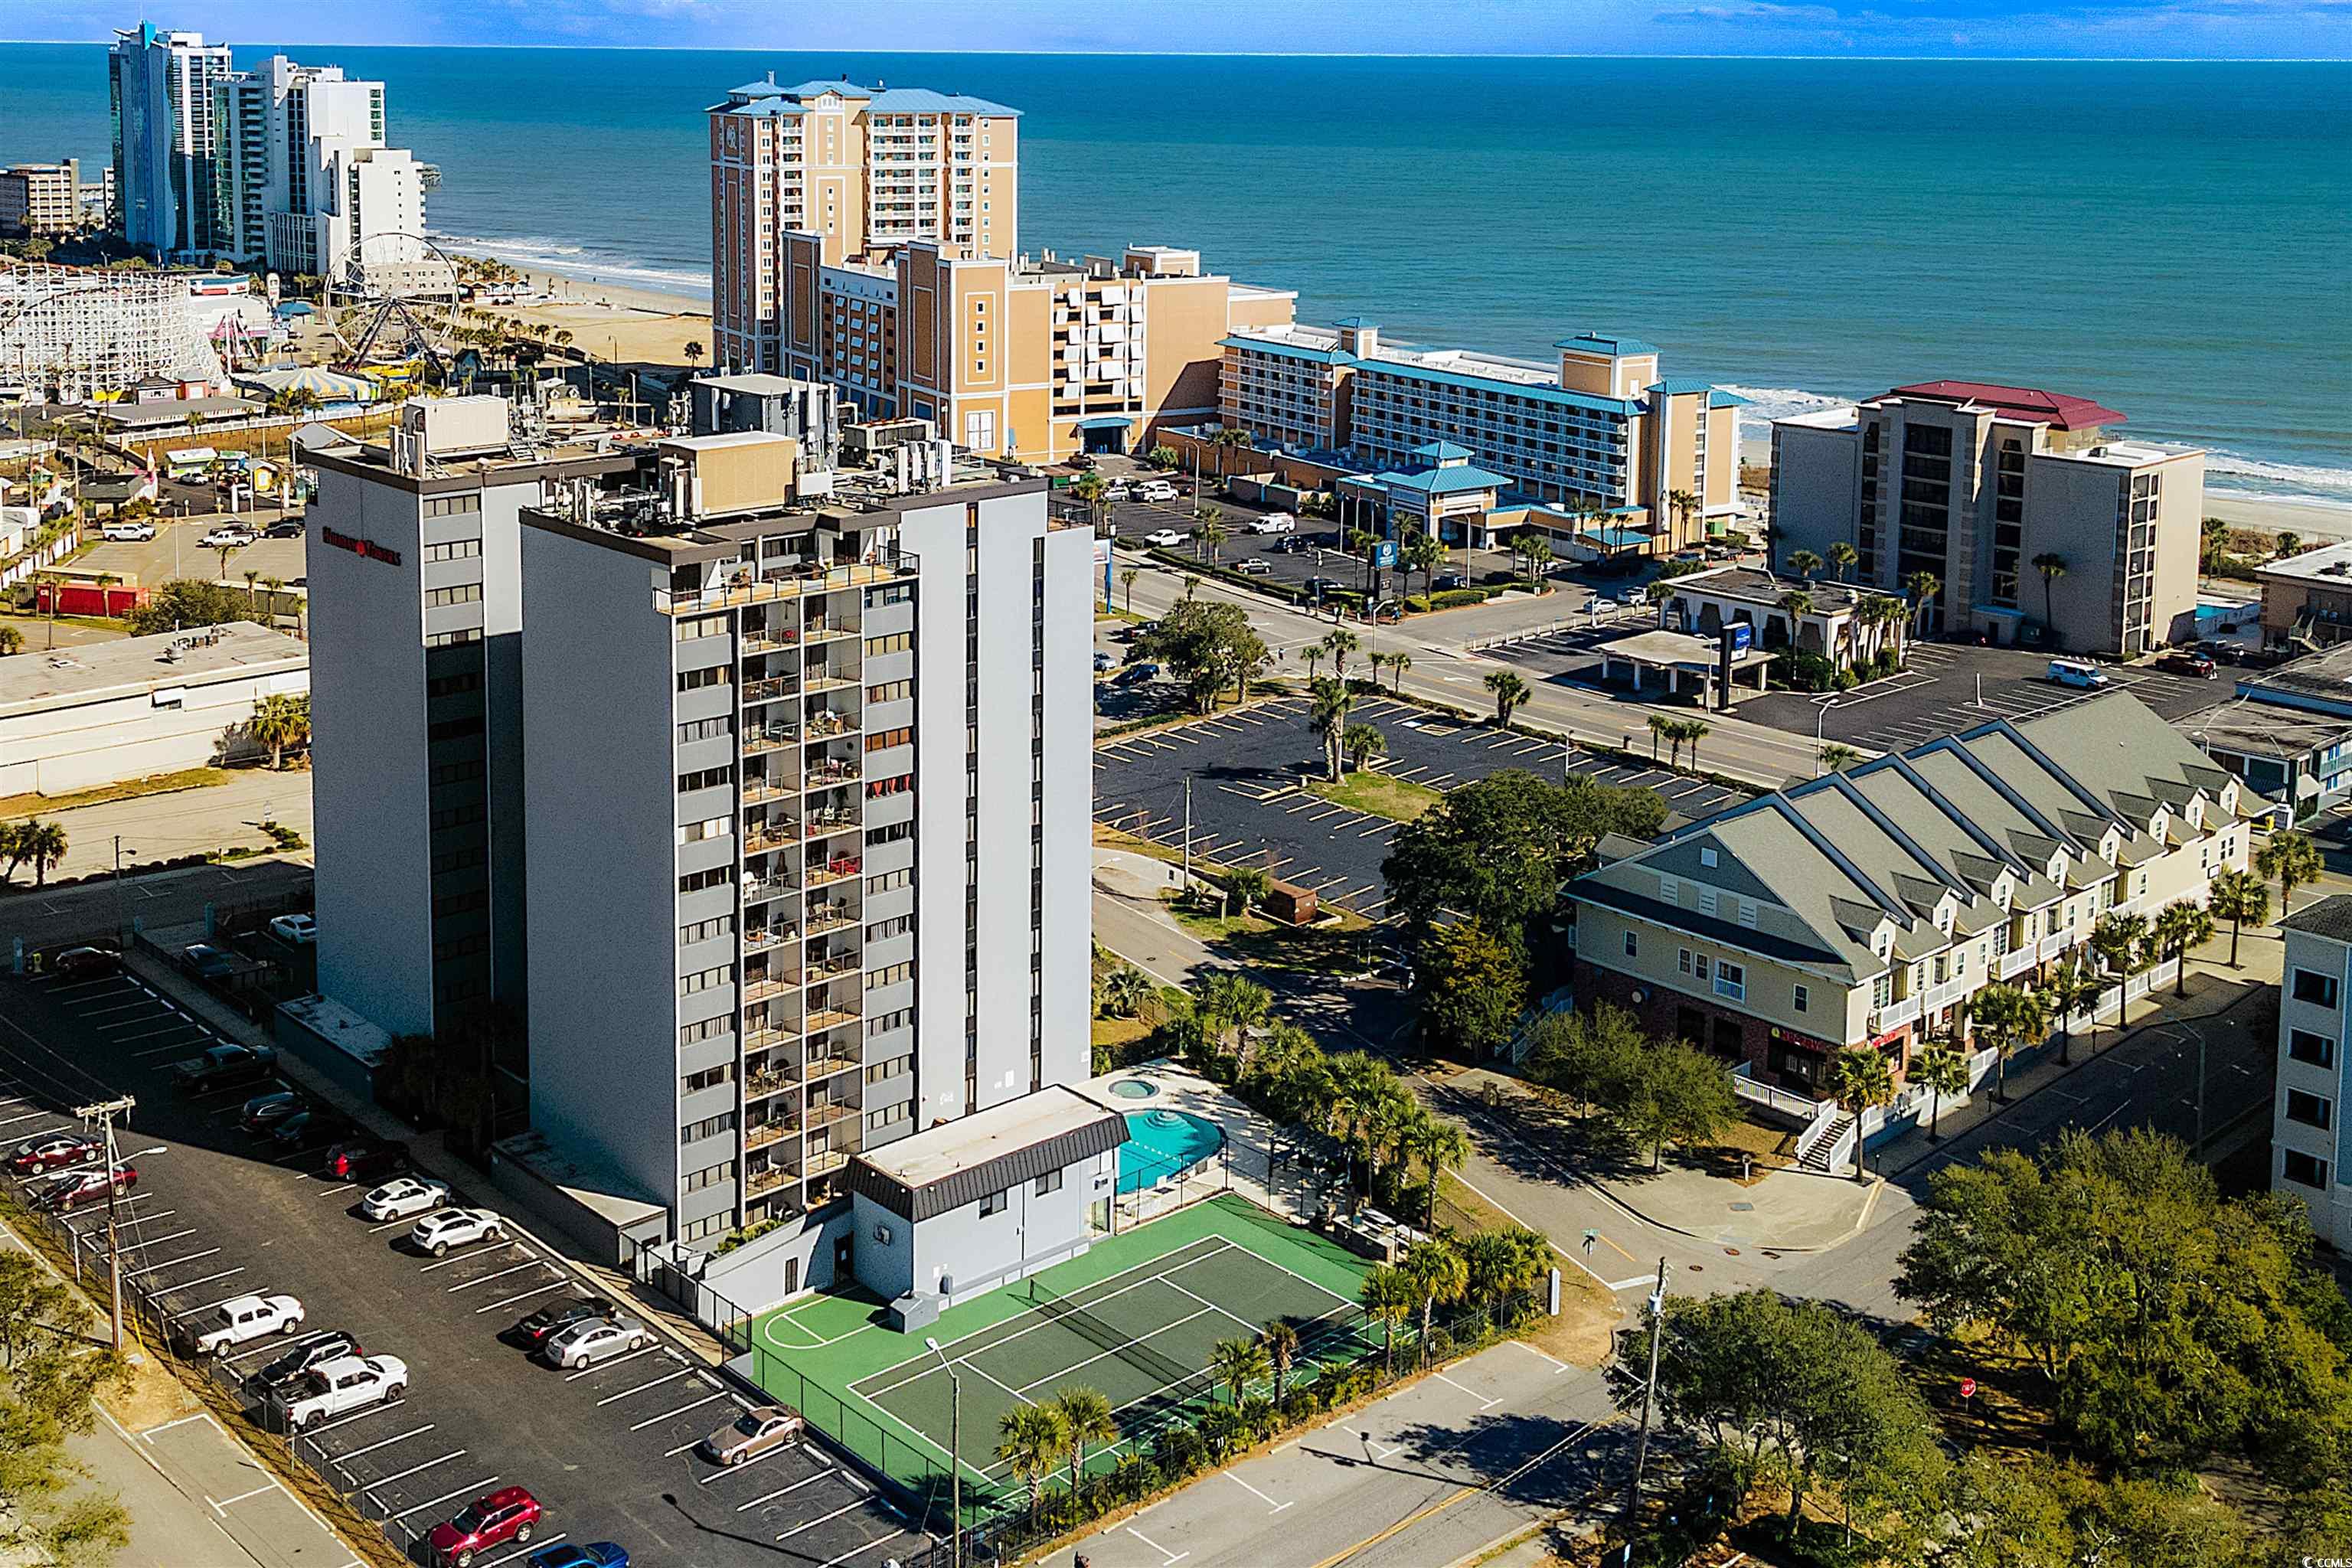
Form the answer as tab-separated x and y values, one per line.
297	308
316	437
326	385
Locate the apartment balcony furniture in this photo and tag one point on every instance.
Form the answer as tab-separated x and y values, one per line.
825	1161
772	689
798	584
766	938
821	1112
760	1134
766	1179
760	1085
829	1064
841	869
769	738
760	842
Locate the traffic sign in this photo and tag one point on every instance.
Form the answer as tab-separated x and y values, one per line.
1967	1388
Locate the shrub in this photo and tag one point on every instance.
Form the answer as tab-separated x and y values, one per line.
1221	1429
1178	1452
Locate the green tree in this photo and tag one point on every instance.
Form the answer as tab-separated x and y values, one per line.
1030	1441
1439	1146
1694	731
1387	1295
1589	1057
1398	662
1436	1276
1209	646
51	1382
2076	988
1087	1419
11	641
1327	715
1661	727
1503	1264
1281	1353
1091	489
1842	556
1804	563
1499	849
42	843
2007	1016
1837	758
1472	990
1421	551
1230	1005
2238	897
2180	926
183	604
1781	1390
2292	860
1673	1093
1362	742
1237	1362
1943	1072
1246	886
693	352
1126	585
1859	1079
280	721
1509	693
2121	942
2046	1512
1923	587
1124	990
1340	642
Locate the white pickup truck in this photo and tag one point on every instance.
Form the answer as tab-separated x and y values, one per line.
246	1318
338	1387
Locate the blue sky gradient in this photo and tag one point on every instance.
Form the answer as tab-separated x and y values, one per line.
2189	29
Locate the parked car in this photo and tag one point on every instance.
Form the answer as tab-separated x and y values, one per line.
54	1151
75	1188
1318	586
305	1128
300	929
551	1319
126	529
309	1351
752	1434
85	961
364	1160
2072	672
1117	489
286	528
1104	661
2185	661
567	1554
1136	674
232	537
1275	522
1155	489
510	1513
224	1067
207	962
596	1339
1255	566
1445	580
339	1387
1291	544
1164	538
265	1112
403	1197
437	1233
244	1318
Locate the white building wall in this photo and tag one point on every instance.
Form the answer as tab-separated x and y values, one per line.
133	735
1067	816
962	1254
2330	1207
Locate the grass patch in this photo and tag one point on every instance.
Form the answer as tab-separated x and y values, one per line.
1112	1033
129	789
1400	800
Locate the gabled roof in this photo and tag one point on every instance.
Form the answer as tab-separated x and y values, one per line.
1445	481
923	101
2058	408
1443	451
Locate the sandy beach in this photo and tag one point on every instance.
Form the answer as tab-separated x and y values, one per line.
618	324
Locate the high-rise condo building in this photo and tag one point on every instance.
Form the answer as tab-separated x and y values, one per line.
864	169
160	91
40	199
2036	526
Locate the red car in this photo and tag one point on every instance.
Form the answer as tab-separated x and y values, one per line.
510	1513
54	1151
77	1188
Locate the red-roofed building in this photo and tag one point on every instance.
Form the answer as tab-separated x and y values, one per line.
2036	527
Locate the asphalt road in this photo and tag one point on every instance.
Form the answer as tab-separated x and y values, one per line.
216	1215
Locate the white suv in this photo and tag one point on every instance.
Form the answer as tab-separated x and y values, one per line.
127	530
337	1388
437	1233
402	1196
1155	489
247	1318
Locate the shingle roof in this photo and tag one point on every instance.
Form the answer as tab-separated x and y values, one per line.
2331	917
2059	408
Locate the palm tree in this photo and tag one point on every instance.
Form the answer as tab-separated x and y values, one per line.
1923	587
1681	504
2070	991
273	586
1538	552
1312	653
1398	662
1804	563
11	641
2289	542
2291	860
1836	758
1212	531
1362	742
1127	582
1339	643
1695	731
2180	926
226	552
42	843
1086	1418
1885	610
1435	1271
1327	715
1388	1295
1504	1263
1999	1012
2122	941
1859	1079
2052	566
253	592
1237	1362
1124	990
1661	729
1032	1440
1423	553
1509	693
280	721
2239	896
1090	489
1842	556
1942	1071
1796	605
693	352
1440	1145
1281	1350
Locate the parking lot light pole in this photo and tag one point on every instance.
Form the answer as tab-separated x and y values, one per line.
1818	719
121	917
955	1452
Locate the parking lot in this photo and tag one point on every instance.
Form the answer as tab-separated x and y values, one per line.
607	1450
1246	767
175	552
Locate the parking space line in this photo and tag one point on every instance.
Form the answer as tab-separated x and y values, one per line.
535	1546
346	1188
811	1524
860	1551
174	1263
724	1471
220	1505
156	1241
192	1284
412	1470
679	1411
386	1443
461	1257
771	1497
474	1489
1276	1508
1472	1393
372	1410
617	1361
657	1382
526	1263
521	1296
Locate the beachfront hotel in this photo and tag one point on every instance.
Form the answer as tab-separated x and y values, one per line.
1974	482
1596	446
159	87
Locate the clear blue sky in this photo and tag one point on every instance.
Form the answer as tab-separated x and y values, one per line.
2076	29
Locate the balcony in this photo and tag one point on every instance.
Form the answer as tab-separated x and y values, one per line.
829	1065
770	690
827	1017
825	1161
761	1040
759	889
840	868
1894	1015
767	939
768	985
825	724
769	639
829	772
760	1085
817	683
756	790
2016	961
766	1179
761	840
2055	943
823	1113
824	823
760	1134
817	974
789	585
762	739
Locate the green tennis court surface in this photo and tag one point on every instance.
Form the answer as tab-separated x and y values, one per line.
1134	1319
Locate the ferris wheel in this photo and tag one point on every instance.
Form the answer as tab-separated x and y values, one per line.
404	288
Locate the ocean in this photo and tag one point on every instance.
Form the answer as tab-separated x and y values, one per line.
2170	238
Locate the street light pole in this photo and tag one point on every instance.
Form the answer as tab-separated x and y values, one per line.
1819	720
122	920
1649	1392
955	1452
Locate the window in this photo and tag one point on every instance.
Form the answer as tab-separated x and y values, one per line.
896	642
1800	999
717	877
883	1023
710	1127
2311	1110
2312	1050
2304	1170
1051	1182
706	980
1731	980
708	1029
455	550
710	827
710	1077
702	1229
1632	945
706	778
889	881
706	729
694	679
889	974
995	1202
710	929
881	739
698	1180
452	506
2315	988
895	1066
1699	965
890	691
1683	960
890	1115
691	627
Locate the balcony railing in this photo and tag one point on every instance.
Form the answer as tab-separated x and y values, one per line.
766	1179
758	790
762	841
831	969
840	868
825	724
2017	961
824	1111
817	683
760	1085
793	585
825	1161
771	985
766	938
769	737
760	1134
822	1066
828	916
758	889
831	773
822	1018
1894	1015
770	689
824	823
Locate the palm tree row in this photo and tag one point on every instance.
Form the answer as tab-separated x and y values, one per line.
42	843
1677	734
1486	1270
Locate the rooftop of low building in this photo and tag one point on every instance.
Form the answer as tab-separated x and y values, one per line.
89	671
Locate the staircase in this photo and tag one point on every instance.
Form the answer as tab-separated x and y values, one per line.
1822	1144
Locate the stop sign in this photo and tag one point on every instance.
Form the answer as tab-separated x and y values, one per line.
1967	1388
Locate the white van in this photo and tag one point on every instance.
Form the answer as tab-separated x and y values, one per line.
2067	672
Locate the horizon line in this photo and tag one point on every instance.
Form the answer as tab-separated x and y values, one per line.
1279	54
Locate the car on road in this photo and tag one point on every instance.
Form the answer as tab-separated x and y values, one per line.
1155	489
567	1555
54	1151
1136	674
510	1513
551	1319
1275	522
1164	538
207	962
127	532
436	1233
265	1112
299	930
597	1338
311	1351
1600	605
339	1387
1291	544
75	1188
365	1160
2074	672
404	1196
243	1318
752	1434
1255	566
1445	580
81	961
225	1066
229	538
2186	662
1318	586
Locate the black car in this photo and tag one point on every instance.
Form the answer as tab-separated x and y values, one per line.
225	1066
366	1161
1318	586
550	1321
1445	580
305	1126
291	529
80	961
208	962
265	1112
310	1350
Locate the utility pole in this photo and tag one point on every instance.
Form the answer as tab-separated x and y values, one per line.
2198	1145
104	1113
955	1451
1187	883
1649	1392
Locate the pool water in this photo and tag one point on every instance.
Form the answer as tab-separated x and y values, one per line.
1134	1088
1159	1143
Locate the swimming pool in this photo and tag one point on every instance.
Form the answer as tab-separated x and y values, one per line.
1161	1143
1134	1088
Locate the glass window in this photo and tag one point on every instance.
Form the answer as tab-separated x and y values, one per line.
2304	1170
2311	1110
2312	1050
2315	988
995	1202
1731	980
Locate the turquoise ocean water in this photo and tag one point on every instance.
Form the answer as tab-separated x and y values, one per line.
2169	239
